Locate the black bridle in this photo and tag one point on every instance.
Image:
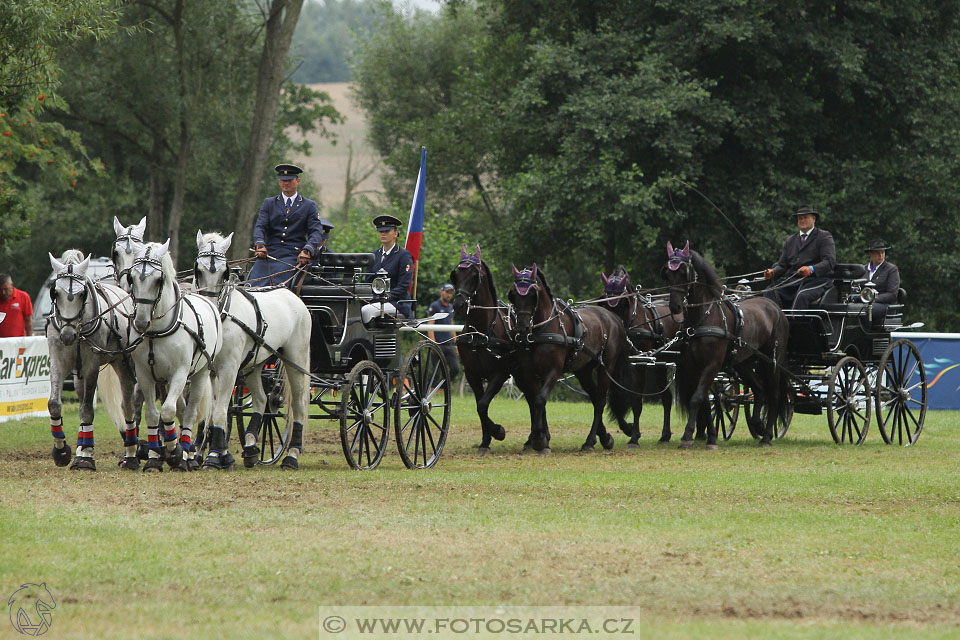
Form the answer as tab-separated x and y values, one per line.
130	241
529	284
213	255
57	315
461	296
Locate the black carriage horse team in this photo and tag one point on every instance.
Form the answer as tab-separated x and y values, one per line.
536	337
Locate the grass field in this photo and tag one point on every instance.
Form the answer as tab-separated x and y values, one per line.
801	540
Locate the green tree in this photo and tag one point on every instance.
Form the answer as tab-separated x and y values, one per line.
326	36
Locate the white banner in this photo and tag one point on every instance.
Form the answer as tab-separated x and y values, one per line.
24	377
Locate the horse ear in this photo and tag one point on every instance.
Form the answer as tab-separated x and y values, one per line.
164	248
463	252
477	254
56	264
223	246
141	226
117	226
686	250
605	279
534	276
81	268
669	248
199	239
515	271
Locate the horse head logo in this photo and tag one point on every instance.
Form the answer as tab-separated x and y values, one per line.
30	608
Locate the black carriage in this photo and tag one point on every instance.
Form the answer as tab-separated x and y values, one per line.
839	365
359	376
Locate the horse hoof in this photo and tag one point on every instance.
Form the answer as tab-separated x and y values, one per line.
587	448
227	461
700	436
290	463
182	469
251	453
663	440
633	445
129	463
482	451
607	443
545	451
686	444
175	457
143	450
499	433
712	447
193	464
61	456
83	464
765	443
527	446
153	465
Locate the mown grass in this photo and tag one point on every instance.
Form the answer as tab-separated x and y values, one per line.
801	540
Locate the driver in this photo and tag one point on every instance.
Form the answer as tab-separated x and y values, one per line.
398	263
808	258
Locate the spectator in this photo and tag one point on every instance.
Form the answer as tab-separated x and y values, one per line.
445	339
18	309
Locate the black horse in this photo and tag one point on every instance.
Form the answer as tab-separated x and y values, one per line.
485	346
554	338
751	336
649	325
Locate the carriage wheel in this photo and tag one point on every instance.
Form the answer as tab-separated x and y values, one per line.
364	416
783	423
901	394
725	405
275	430
422	417
849	402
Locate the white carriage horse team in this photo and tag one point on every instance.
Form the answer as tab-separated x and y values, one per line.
146	333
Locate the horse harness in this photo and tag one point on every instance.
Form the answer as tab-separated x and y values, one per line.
498	347
735	337
564	339
642	332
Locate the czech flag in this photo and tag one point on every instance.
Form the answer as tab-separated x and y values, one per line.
415	227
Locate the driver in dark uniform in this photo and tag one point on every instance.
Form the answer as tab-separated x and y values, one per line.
885	276
289	232
809	258
398	263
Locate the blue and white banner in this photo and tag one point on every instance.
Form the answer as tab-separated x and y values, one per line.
941	360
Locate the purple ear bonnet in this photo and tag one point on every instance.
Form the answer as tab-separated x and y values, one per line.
468	260
676	257
614	287
524	279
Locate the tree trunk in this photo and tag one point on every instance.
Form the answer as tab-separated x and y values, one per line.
282	16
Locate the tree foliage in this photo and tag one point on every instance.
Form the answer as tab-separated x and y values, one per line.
325	37
602	128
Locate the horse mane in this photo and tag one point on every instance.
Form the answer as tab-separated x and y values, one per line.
708	274
489	275
543	277
212	236
72	256
166	261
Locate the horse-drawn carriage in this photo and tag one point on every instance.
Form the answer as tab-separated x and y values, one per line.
358	375
839	364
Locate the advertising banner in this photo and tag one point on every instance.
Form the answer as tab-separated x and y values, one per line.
941	360
24	377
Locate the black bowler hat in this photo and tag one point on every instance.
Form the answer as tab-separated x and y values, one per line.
877	245
385	222
287	171
808	209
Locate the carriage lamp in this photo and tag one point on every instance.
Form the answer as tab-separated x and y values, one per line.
868	293
381	283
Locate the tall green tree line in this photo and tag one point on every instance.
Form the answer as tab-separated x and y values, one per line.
584	134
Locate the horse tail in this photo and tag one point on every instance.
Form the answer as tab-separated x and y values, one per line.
111	394
685	383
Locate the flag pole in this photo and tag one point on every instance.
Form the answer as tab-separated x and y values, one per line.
416	272
415	227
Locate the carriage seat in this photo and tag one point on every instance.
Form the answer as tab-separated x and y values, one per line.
843	275
342	267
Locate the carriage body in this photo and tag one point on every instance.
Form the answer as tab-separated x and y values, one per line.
358	375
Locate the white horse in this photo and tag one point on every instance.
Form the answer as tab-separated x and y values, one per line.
181	337
125	247
89	328
256	325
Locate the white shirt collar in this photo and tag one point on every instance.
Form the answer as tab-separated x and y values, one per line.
870	266
293	197
391	249
807	233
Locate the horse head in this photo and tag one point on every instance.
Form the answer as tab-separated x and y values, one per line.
679	273
151	273
125	247
466	278
614	286
69	293
525	297
210	270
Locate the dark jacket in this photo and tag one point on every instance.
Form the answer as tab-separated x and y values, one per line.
399	268
286	233
817	251
887	279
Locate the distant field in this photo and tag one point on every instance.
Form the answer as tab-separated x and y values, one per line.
801	540
327	164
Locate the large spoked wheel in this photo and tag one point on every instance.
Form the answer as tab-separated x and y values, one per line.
365	416
275	430
782	424
901	395
422	417
725	405
849	402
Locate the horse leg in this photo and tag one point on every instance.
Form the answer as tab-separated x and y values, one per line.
600	403
475	380
298	387
258	403
86	390
666	400
61	361
168	414
696	402
493	386
758	387
128	390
